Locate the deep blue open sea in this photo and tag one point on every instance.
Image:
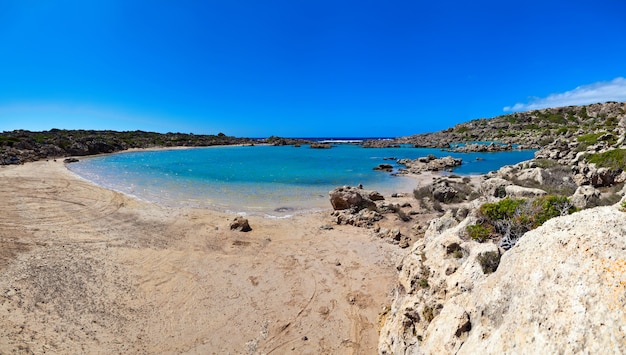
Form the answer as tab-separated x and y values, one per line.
263	179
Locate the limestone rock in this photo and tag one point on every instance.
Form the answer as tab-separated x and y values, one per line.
347	197
536	175
442	191
522	192
494	187
585	196
561	289
429	163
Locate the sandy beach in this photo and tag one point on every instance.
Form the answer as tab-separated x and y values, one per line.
89	270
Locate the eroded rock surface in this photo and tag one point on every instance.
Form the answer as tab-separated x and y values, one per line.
561	289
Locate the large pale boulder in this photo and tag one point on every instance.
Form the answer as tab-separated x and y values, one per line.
494	187
537	175
560	289
523	192
585	196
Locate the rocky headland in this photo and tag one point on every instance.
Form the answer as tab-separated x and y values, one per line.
521	130
527	259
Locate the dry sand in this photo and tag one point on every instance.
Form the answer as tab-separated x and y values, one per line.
88	270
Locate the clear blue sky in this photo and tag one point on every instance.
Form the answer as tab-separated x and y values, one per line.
301	68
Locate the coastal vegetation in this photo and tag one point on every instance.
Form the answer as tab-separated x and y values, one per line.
531	129
510	218
612	159
24	146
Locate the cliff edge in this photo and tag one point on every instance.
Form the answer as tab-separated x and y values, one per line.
560	289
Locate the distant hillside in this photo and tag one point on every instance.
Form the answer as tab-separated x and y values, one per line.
532	129
23	146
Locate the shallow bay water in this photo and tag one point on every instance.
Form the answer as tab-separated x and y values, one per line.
272	180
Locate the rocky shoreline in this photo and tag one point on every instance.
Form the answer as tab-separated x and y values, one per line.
531	256
528	257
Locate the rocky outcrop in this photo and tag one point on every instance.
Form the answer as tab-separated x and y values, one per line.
321	146
589	174
442	191
384	167
485	148
429	163
573	301
515	191
352	198
532	129
495	187
585	196
380	143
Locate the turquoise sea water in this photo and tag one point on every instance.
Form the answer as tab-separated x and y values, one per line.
270	180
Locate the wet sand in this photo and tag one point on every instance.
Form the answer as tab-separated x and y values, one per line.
87	270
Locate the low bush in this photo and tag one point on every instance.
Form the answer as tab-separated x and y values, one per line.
480	232
422	192
550	206
509	219
546	163
502	209
613	159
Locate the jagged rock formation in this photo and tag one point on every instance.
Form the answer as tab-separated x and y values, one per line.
561	289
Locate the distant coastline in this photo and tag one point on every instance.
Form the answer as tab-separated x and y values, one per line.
523	130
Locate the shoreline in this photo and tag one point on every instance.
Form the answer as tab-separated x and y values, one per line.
404	184
87	269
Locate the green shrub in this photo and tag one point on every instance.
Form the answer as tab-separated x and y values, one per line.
502	209
590	138
479	232
613	159
547	207
509	218
8	140
546	163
